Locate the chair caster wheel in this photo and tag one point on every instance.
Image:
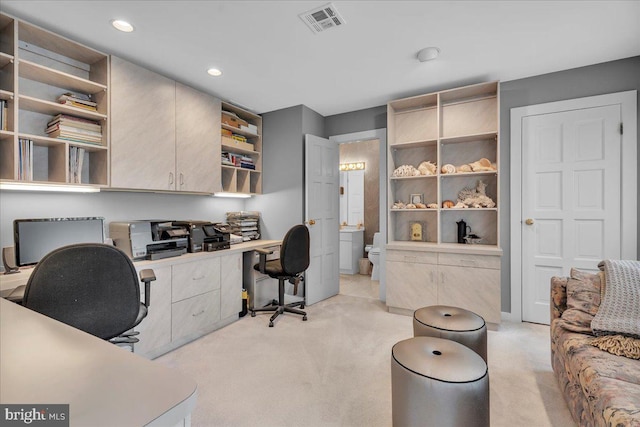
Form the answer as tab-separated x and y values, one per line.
253	314
304	318
301	306
271	324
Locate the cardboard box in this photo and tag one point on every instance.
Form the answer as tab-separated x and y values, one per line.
236	122
232	143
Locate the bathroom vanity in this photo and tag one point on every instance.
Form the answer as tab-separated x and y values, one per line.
351	249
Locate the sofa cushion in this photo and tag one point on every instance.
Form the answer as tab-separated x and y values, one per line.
583	300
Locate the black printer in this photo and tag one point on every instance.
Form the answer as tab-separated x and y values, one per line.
205	236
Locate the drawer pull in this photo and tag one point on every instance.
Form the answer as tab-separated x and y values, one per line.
198	278
198	313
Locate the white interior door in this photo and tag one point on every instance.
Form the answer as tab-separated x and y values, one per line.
571	198
322	212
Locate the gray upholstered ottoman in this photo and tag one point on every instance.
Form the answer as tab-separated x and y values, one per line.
438	382
452	323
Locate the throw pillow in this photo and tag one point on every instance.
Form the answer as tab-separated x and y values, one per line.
618	345
583	300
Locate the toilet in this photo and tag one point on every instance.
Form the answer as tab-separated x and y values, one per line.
373	251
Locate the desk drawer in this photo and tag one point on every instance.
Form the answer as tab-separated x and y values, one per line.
412	256
195	314
194	278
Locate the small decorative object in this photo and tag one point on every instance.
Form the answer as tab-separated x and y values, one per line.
464	168
432	206
462	230
448	168
410	206
421	206
482	165
417	198
473	239
405	171
447	204
416	231
398	205
476	197
427	168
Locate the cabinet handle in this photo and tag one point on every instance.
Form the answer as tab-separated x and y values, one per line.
198	313
198	278
442	277
181	179
432	277
170	178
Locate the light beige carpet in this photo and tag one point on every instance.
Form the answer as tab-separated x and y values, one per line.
334	370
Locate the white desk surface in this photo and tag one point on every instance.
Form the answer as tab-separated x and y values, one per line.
8	282
43	361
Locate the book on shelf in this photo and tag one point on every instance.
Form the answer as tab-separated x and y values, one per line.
4	111
74	119
77	98
76	161
73	129
25	157
77	136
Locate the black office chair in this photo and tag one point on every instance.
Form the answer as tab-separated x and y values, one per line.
293	261
93	287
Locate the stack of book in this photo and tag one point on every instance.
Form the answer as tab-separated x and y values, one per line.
76	160
25	156
237	160
245	224
75	129
78	100
4	111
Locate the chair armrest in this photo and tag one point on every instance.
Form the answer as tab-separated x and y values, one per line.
147	276
558	296
262	263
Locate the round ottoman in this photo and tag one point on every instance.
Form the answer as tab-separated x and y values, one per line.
452	323
438	382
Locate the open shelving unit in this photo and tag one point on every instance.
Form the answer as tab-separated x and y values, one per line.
236	178
36	67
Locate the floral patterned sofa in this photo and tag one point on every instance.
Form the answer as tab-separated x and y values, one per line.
600	388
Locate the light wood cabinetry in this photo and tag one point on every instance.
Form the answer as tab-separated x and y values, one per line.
417	278
198	165
165	135
456	130
36	68
143	128
155	329
237	177
230	288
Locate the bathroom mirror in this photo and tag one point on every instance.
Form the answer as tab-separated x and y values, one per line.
352	197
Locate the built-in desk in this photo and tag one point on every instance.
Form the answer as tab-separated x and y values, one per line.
43	361
194	294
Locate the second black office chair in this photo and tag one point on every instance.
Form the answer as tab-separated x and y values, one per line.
294	260
92	287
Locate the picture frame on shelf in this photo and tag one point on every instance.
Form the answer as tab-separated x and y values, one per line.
416	198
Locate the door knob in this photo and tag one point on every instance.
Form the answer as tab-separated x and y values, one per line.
311	222
529	221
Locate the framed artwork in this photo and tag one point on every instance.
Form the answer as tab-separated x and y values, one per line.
417	198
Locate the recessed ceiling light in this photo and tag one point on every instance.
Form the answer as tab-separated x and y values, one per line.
121	25
428	53
214	72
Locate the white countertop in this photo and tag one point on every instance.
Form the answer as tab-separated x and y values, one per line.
457	248
43	361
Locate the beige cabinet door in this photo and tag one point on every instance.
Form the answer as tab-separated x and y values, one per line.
155	329
198	141
411	285
475	289
230	285
142	128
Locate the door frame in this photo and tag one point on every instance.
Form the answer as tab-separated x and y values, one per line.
629	193
380	135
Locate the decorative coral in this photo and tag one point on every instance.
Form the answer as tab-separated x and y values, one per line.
427	168
405	171
475	197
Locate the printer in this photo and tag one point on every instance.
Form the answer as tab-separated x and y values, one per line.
149	239
205	236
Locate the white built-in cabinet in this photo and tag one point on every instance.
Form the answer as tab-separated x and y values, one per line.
164	135
458	128
189	298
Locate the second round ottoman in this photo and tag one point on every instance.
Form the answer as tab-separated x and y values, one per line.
452	323
437	382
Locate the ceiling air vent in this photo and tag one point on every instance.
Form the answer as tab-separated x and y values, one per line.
322	18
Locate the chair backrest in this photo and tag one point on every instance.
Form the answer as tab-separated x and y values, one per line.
294	252
91	286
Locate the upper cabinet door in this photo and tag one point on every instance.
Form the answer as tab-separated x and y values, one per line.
143	128
198	163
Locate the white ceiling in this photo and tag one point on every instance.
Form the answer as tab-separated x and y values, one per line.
271	60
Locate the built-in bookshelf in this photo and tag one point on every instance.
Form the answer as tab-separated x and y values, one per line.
56	96
241	150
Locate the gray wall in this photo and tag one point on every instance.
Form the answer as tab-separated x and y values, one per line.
113	206
609	77
282	201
